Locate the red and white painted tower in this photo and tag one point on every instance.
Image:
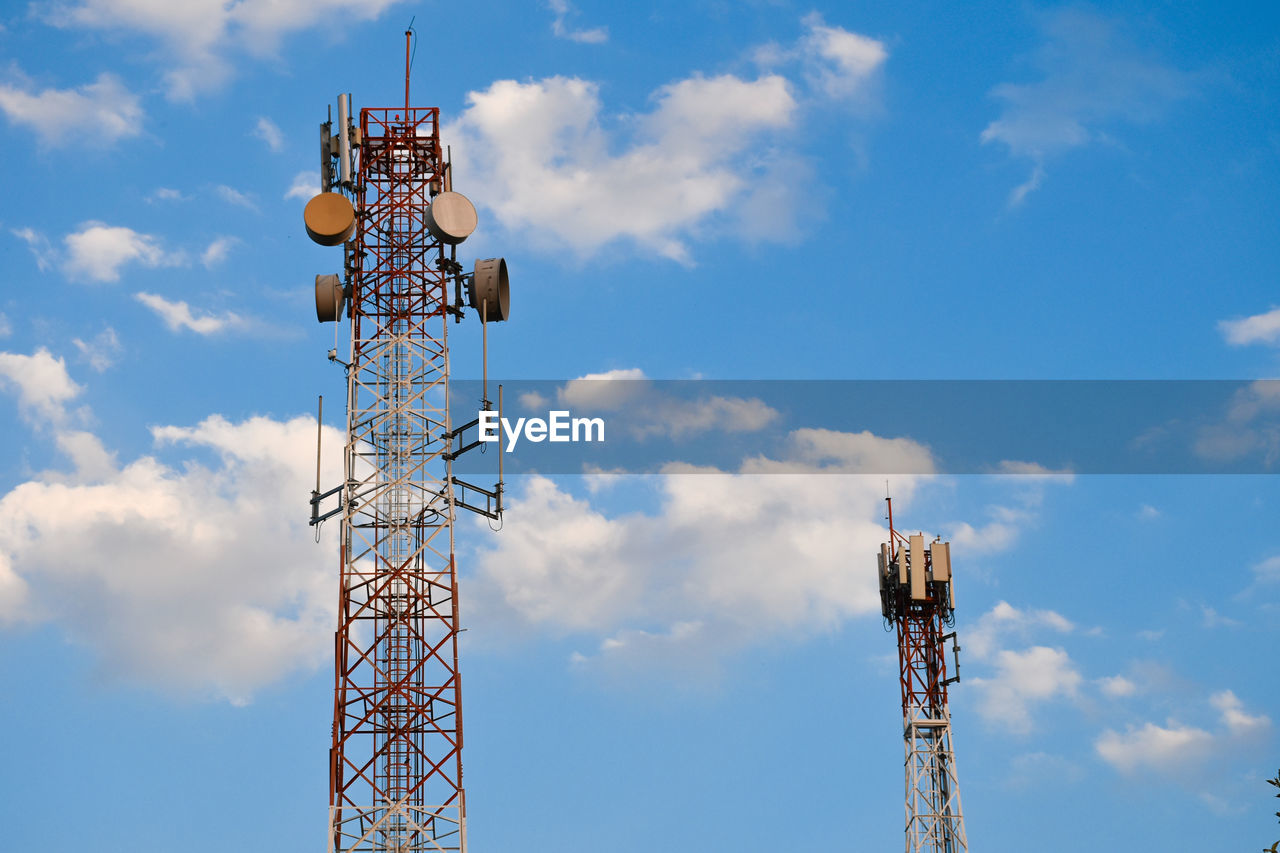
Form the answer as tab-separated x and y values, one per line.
395	763
916	596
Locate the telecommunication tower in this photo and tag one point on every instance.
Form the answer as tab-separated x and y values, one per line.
395	763
916	596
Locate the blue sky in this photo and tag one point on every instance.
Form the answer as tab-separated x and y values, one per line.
725	190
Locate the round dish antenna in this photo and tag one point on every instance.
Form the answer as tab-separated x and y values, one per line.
330	219
329	298
451	218
489	290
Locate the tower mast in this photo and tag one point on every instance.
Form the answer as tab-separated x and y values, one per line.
916	596
395	761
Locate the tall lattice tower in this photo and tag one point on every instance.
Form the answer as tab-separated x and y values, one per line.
916	596
396	757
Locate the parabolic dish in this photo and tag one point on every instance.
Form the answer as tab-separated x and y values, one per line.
329	218
451	218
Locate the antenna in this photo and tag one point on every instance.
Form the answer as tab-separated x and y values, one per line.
395	769
916	596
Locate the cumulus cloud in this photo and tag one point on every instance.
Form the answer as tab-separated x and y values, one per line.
726	560
708	156
841	62
199	38
993	628
98	252
1092	77
832	62
1160	747
562	10
178	315
43	385
188	576
540	154
1022	679
100	112
1259	329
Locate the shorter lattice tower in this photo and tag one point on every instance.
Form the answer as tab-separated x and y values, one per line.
916	596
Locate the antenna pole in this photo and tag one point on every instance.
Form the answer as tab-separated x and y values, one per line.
319	433
408	38
892	541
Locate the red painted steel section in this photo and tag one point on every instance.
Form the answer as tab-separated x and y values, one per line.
397	731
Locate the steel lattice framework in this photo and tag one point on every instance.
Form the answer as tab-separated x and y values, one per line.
916	596
396	758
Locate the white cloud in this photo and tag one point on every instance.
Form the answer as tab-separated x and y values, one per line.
1092	77
166	194
1023	679
650	410
305	186
841	62
708	157
177	315
562	9
724	561
6	328
44	387
1007	522
97	252
1237	722
186	577
1179	748
217	251
1159	747
39	245
538	154
269	133
232	195
101	350
1117	686
200	38
1258	329
1268	571
100	112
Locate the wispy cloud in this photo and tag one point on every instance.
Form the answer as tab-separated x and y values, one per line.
178	315
217	251
199	41
231	195
305	186
1092	76
269	133
562	10
1180	748
101	350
